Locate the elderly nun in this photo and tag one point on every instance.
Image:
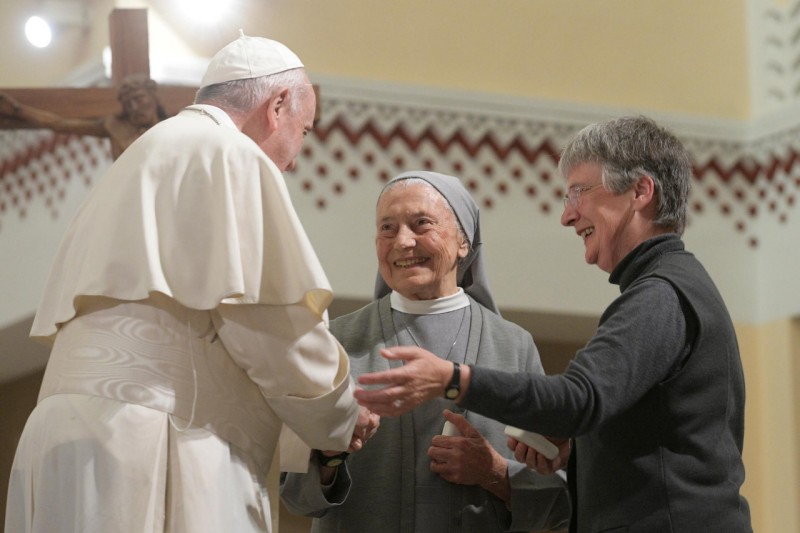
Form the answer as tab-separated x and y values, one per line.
437	468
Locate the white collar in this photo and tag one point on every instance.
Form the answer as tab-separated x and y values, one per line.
444	304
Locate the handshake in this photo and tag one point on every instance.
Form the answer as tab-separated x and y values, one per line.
366	426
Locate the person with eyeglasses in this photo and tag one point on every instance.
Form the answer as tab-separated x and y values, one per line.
655	400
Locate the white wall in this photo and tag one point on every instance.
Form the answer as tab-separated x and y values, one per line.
533	262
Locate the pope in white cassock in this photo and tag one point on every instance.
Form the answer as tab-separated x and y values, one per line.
187	313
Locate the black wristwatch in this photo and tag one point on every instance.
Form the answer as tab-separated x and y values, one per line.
330	461
454	389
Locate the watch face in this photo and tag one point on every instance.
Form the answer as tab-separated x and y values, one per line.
333	461
451	393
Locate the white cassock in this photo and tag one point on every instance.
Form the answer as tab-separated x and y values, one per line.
187	312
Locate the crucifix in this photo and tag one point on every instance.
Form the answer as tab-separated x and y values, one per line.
96	110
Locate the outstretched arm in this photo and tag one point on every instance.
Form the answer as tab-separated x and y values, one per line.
422	377
38	118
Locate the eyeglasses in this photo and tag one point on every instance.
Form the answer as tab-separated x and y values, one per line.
573	196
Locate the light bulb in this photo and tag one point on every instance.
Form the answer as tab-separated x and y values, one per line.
38	32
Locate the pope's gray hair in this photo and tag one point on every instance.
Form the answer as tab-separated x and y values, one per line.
242	96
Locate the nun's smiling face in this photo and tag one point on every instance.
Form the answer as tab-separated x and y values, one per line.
418	241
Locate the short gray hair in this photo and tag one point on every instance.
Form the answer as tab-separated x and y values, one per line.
242	96
629	147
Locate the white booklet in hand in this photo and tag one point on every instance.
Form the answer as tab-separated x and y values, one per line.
534	440
450	429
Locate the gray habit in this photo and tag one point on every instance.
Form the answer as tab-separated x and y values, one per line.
379	489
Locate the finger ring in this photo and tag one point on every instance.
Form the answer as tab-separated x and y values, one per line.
398	403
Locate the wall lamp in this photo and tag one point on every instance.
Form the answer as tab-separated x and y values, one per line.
54	14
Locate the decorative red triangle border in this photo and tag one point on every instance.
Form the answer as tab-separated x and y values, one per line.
497	158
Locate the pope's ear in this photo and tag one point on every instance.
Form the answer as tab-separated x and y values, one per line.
282	100
277	106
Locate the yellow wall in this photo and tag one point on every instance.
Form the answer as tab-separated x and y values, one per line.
771	358
679	56
663	55
660	55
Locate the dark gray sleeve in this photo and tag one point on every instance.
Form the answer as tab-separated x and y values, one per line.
302	494
641	336
538	503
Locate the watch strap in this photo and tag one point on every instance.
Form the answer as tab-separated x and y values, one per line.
331	461
454	388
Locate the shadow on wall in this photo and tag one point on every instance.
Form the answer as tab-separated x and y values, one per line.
18	400
19	355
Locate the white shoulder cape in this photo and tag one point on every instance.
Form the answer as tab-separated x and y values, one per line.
195	210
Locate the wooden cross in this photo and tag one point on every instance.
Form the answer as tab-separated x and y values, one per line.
129	54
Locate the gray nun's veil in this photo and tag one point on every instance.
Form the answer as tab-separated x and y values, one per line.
471	273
